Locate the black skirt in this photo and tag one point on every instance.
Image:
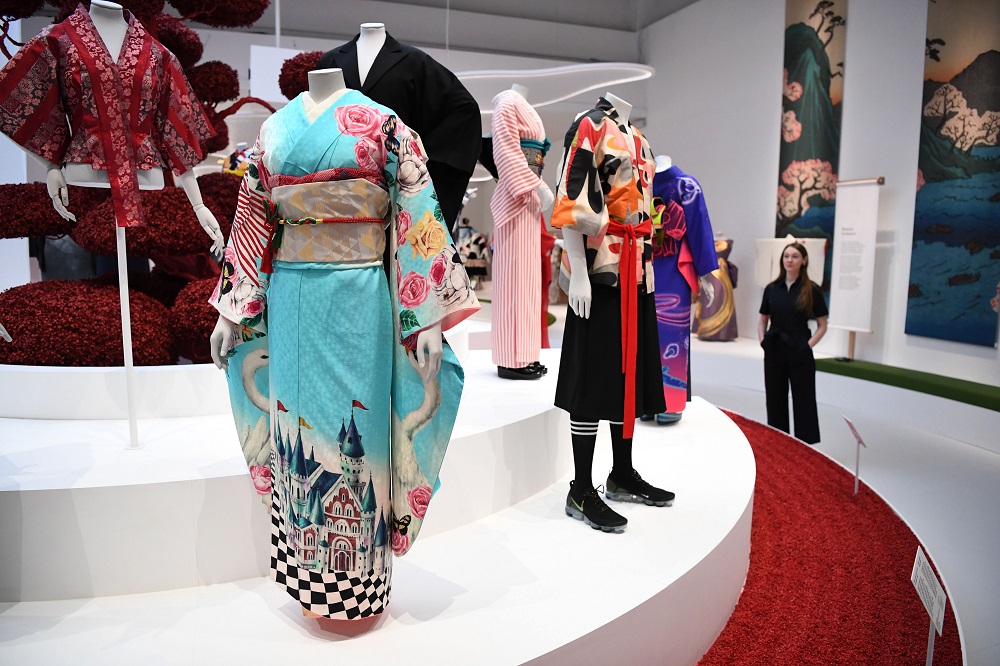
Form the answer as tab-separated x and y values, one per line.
591	382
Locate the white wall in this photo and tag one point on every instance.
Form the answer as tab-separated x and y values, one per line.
715	106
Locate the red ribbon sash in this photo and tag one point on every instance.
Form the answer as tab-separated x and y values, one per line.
630	236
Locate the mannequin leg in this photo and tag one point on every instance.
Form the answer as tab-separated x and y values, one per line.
624	483
583	502
584	434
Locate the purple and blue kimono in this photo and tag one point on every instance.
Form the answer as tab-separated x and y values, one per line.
675	274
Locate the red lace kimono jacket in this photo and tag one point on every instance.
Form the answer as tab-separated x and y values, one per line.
136	112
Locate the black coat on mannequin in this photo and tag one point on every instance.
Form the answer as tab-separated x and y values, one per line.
429	99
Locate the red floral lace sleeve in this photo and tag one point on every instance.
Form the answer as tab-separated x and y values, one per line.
31	111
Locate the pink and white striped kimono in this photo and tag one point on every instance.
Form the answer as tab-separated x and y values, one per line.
518	139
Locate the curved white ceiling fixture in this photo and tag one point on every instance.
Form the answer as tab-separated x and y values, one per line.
551	84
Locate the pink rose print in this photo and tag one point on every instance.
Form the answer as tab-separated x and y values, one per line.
403	223
439	269
413	290
261	477
252	307
400	542
369	154
419	498
358	120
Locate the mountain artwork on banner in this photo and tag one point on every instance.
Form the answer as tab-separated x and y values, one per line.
954	290
810	121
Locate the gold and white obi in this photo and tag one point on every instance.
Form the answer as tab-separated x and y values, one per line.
333	221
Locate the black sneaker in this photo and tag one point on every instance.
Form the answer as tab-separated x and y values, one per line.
634	489
592	510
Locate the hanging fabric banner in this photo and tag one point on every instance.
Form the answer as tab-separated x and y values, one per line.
954	291
810	121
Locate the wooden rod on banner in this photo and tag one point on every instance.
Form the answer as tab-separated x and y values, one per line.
852	337
863	181
133	429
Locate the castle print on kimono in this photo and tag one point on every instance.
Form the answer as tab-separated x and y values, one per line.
335	520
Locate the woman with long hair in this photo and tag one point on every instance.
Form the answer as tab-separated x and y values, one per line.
788	305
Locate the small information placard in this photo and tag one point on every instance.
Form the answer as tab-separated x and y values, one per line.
929	589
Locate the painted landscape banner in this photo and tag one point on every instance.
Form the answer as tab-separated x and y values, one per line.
810	121
954	289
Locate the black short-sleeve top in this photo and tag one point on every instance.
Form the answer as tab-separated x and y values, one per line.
780	304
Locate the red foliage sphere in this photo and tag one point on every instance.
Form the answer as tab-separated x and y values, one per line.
221	139
14	10
35	214
214	82
222	13
294	77
181	40
78	323
220	192
170	227
192	320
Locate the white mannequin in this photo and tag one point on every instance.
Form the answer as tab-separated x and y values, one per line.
325	87
369	44
110	23
579	281
663	162
520	90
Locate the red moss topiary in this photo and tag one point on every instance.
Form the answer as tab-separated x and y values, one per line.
31	211
14	10
294	73
181	40
220	192
222	13
170	227
221	139
214	82
78	323
192	320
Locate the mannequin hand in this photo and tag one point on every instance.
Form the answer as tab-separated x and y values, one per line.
55	184
5	335
207	221
579	294
545	197
221	342
429	350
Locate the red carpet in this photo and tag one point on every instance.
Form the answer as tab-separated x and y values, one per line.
829	578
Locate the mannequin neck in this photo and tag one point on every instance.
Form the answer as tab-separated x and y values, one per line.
623	108
663	162
325	87
109	21
520	90
370	43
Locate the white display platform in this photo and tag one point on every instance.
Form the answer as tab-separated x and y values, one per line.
161	392
177	530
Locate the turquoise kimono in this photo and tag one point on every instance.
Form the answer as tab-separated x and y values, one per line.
342	430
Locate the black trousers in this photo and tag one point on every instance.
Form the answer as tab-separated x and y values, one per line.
786	365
